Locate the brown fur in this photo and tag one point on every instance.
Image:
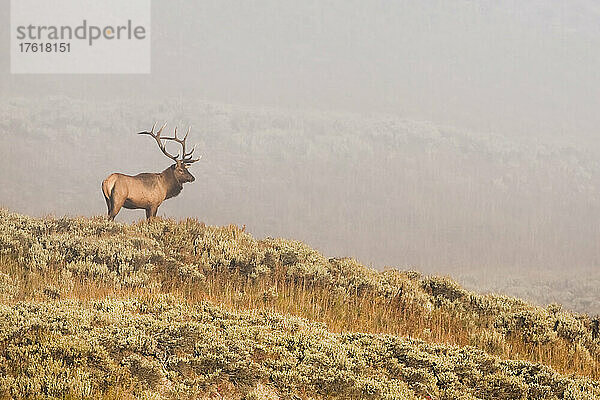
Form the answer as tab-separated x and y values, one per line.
144	191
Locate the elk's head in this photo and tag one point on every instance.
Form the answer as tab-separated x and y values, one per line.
181	172
180	168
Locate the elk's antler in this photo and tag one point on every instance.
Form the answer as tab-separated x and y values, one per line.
159	141
187	156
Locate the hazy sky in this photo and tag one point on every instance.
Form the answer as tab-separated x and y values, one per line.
443	136
511	67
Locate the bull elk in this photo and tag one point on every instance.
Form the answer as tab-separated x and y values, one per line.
148	190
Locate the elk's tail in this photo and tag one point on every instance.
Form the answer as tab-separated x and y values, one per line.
107	187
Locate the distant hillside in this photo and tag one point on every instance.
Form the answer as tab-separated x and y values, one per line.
91	308
384	189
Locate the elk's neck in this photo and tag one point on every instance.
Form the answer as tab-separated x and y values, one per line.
172	185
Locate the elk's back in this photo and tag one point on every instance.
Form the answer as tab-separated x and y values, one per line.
139	191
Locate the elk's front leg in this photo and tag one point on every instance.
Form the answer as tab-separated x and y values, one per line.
151	212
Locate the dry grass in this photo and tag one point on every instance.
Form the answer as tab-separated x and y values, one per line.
48	260
366	313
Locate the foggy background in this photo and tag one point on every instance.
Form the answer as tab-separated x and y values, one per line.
448	137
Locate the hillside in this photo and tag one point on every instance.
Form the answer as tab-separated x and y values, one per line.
97	309
513	214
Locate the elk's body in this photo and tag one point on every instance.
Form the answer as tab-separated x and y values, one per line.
148	190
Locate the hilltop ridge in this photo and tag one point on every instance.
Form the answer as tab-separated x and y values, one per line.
171	309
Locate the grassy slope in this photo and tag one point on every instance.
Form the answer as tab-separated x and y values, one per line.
100	309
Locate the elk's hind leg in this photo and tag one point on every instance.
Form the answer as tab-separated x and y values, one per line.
108	205
115	206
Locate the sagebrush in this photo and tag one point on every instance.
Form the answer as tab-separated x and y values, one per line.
92	308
